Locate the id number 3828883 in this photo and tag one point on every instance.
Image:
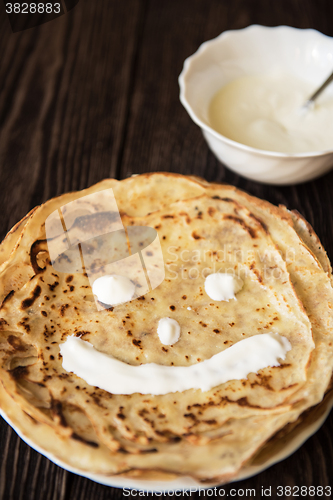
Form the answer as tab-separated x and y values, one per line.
32	8
304	491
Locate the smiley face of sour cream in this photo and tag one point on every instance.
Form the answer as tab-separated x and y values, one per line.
235	363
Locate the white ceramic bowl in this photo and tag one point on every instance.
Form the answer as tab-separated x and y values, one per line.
307	54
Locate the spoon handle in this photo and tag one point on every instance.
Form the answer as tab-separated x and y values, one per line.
319	91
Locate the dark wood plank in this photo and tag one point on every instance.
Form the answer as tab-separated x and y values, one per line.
63	102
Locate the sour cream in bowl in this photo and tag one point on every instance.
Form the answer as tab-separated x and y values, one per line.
245	89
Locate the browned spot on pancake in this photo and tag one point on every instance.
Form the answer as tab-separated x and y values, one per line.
262	223
242	402
187	217
37	247
82	333
211	211
257	273
184	297
63	309
191	416
164	349
168	216
69	278
158	226
44	313
172	308
222	402
210	422
169	435
136	342
230	200
19	372
129	333
143	412
240	221
97	400
263	381
289	386
216	330
85	441
3	324
25	325
196	236
8	296
53	285
16	343
122	450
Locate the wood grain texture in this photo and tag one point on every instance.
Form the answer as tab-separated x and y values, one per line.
94	94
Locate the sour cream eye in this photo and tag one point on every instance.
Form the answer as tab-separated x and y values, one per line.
113	289
222	286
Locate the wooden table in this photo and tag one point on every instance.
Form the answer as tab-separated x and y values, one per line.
94	94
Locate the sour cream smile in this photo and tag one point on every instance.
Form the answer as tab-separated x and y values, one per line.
114	376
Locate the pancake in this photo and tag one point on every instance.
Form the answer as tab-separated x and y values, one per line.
202	229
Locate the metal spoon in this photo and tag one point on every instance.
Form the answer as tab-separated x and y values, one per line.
309	102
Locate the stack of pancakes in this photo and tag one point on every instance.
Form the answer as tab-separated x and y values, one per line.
202	228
